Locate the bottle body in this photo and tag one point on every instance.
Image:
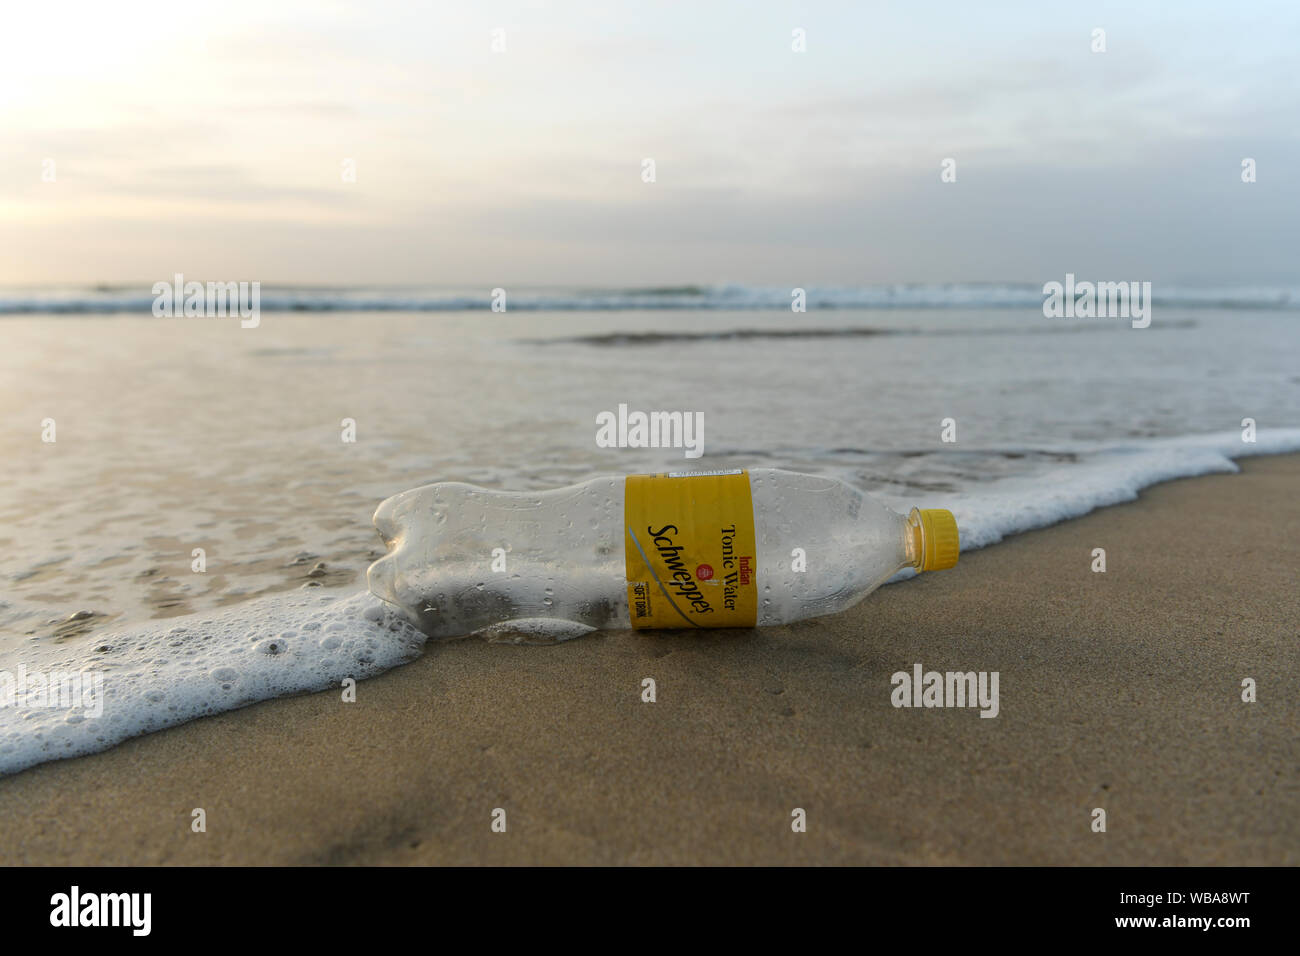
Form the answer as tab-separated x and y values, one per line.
464	559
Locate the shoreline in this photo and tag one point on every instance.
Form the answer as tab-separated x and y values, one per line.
1118	690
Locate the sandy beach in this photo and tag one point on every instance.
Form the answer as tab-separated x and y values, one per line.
1118	690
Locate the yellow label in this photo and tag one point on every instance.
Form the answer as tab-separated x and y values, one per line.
691	560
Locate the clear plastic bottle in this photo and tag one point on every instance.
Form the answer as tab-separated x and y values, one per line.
694	549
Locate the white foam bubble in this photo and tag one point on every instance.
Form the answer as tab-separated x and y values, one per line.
162	673
1108	475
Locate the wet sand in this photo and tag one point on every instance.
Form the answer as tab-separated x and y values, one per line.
1119	691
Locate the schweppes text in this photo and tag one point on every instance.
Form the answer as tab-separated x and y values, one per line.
681	578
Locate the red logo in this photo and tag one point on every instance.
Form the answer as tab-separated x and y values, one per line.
704	572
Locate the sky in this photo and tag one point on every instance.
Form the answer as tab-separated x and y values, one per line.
139	139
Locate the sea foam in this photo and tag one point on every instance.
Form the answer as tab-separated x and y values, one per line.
164	672
1107	475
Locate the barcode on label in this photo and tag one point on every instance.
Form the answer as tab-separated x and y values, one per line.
702	474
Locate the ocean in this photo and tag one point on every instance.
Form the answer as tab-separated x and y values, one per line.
197	531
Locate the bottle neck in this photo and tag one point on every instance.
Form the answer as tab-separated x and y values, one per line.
914	539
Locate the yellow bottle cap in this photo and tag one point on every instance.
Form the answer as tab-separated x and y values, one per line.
940	541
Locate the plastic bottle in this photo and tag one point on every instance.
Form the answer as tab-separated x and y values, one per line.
683	549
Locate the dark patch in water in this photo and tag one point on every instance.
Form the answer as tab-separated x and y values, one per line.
671	290
291	352
726	335
75	625
851	332
45	568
